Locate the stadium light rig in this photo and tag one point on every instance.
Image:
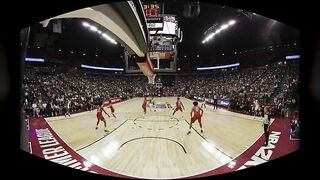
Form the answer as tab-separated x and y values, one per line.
95	29
222	28
218	67
101	68
34	59
293	57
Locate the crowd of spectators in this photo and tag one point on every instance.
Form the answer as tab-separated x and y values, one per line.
47	92
274	85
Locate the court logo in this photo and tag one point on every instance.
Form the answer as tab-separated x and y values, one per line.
264	153
53	151
160	105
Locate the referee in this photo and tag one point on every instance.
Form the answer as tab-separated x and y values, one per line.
215	100
266	125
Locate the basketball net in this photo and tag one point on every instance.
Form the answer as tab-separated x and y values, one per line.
151	79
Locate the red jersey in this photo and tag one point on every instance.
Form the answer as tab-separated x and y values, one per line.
178	104
144	104
99	110
196	112
99	113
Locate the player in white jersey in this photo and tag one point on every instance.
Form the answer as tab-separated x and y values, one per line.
256	108
152	104
203	104
68	106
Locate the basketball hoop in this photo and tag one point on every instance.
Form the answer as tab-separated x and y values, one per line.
151	79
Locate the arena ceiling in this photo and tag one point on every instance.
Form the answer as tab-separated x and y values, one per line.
251	31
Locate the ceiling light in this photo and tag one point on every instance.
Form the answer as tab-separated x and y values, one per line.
225	26
232	22
85	24
93	28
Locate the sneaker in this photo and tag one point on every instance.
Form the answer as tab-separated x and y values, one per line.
201	131
188	132
106	131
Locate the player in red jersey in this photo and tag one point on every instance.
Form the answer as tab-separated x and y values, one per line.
100	117
144	105
197	114
111	108
178	106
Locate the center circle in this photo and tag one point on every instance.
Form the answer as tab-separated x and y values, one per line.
156	122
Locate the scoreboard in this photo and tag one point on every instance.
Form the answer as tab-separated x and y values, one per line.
164	35
152	9
155	23
152	12
170	26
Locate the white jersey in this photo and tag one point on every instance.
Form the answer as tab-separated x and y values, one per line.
256	105
266	119
68	105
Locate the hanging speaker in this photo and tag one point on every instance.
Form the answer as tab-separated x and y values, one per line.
191	9
195	9
187	10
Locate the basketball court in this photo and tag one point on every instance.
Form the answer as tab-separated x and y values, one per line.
157	145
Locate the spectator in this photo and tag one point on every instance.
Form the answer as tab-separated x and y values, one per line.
52	88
